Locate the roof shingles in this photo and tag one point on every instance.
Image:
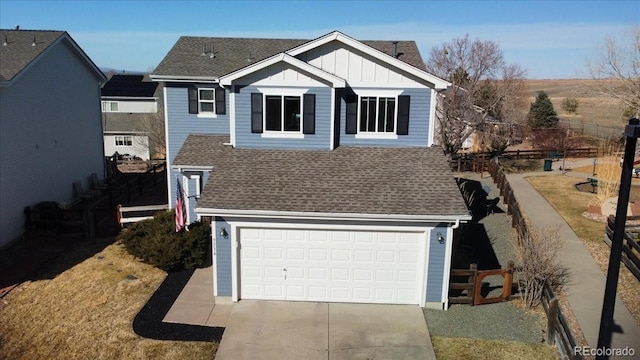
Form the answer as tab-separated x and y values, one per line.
357	180
190	56
18	50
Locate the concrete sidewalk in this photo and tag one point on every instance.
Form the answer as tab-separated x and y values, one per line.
585	288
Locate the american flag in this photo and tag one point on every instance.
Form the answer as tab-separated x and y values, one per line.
181	210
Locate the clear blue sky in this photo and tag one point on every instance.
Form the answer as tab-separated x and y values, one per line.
551	39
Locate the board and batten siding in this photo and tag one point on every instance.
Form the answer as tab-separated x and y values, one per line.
419	118
319	141
180	124
223	278
359	69
436	265
50	135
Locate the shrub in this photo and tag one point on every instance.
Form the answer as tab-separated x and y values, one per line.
570	105
537	254
156	242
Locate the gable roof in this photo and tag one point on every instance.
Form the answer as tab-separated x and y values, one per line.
21	48
410	182
129	85
189	58
282	57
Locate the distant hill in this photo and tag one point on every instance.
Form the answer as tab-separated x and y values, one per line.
596	115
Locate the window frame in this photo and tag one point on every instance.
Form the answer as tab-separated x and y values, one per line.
107	106
203	113
377	94
123	140
283	94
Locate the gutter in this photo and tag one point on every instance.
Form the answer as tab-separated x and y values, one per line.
173	78
332	216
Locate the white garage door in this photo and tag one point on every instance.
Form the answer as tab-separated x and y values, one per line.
335	266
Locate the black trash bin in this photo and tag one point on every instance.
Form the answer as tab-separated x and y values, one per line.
548	163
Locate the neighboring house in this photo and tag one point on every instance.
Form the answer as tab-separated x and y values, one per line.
313	161
50	122
129	108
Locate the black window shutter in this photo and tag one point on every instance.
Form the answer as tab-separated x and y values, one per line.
309	114
352	114
256	113
403	114
221	102
193	100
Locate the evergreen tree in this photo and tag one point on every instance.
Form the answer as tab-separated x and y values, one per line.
542	113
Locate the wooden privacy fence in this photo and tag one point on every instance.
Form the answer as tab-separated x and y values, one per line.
97	215
630	243
473	285
558	330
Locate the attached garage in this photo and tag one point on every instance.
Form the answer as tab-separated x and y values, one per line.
386	267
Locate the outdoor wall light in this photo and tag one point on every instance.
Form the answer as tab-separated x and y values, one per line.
224	233
440	238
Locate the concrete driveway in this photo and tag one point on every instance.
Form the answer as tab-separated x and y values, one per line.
309	330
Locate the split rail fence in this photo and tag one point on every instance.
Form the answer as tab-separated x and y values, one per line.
630	242
479	162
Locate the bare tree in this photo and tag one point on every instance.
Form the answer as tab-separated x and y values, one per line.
616	66
152	124
485	91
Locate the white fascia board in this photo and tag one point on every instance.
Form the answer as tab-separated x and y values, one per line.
336	35
335	81
177	78
331	216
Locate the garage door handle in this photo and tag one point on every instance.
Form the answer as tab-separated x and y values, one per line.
285	273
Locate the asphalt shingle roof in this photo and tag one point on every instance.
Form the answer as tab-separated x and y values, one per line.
362	180
231	54
17	49
125	85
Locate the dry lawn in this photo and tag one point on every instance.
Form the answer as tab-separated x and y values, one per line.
596	115
571	204
462	348
84	309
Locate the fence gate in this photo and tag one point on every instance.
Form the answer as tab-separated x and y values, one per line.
473	285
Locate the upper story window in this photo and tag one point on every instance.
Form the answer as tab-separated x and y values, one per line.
381	114
377	114
282	113
124	140
110	106
207	102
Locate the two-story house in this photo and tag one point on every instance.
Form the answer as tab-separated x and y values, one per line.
50	122
131	116
313	160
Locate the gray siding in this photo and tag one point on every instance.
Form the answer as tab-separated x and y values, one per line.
435	264
50	135
223	258
318	141
419	118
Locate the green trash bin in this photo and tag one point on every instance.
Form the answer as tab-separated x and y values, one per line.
547	164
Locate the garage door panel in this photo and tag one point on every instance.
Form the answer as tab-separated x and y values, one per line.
337	266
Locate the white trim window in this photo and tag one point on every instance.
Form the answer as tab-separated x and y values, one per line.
377	115
283	113
110	106
206	101
123	140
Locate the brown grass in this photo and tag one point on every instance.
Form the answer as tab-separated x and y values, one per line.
561	194
595	113
464	348
86	311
